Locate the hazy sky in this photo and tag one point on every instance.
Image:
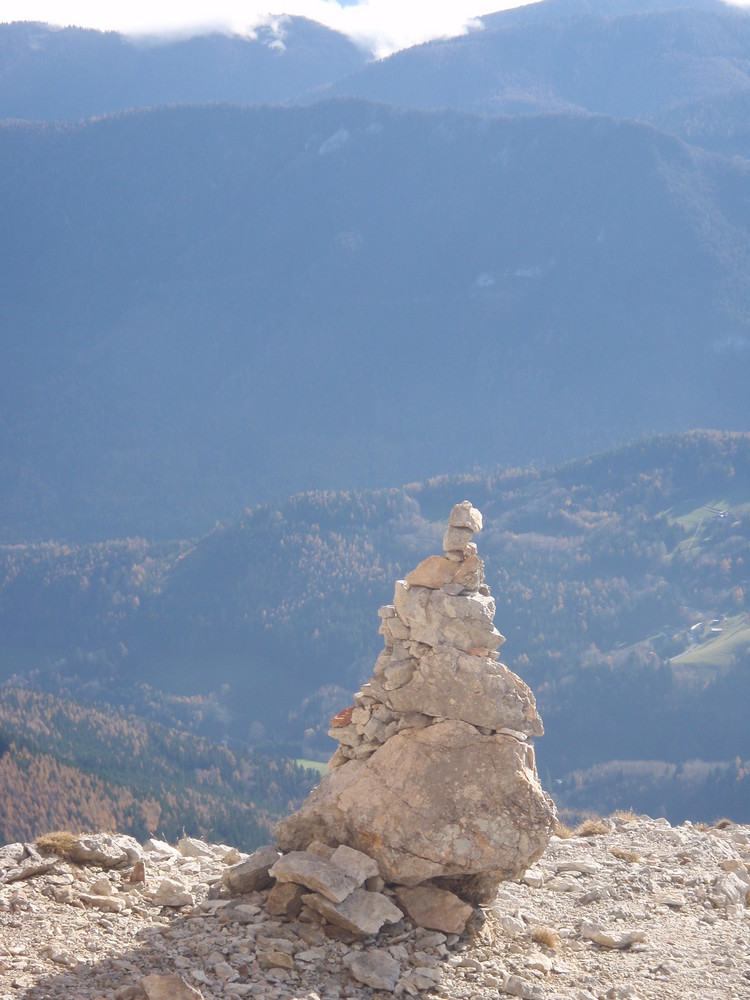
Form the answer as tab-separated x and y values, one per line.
384	25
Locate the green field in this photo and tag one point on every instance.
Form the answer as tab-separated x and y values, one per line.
698	516
719	650
314	765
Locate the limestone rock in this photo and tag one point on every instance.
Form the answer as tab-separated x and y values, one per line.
285	899
160	847
433	572
376	969
317	874
191	847
171	987
444	800
362	912
12	855
275	960
449	683
464	515
252	874
28	869
236	912
436	618
434	777
172	893
106	850
109	903
434	908
470	573
102	887
610	939
438	572
360	866
457	539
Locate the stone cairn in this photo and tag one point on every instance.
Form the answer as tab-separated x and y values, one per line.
434	778
431	800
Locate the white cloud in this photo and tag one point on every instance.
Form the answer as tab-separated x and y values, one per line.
381	25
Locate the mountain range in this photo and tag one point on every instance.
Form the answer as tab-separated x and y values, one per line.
211	306
681	67
62	74
252	287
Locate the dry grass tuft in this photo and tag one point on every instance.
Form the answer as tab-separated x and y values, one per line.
702	827
563	831
624	855
593	827
626	815
546	937
723	823
59	842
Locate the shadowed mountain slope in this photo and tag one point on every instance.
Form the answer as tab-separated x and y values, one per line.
203	308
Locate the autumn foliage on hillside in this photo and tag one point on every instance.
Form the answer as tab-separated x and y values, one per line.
64	765
622	584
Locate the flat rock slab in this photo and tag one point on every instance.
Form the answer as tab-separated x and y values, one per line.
435	909
108	851
436	572
376	969
362	912
28	870
618	938
316	873
360	866
252	874
171	987
172	893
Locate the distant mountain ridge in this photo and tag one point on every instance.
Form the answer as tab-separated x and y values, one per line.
207	307
641	60
60	74
670	63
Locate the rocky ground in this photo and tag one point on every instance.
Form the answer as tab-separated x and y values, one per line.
633	908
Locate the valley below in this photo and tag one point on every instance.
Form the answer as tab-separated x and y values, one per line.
620	583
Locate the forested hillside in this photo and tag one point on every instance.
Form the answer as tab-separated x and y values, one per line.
621	584
67	765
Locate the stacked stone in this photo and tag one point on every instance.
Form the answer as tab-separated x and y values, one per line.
434	776
438	661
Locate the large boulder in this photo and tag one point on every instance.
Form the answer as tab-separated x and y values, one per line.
439	801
